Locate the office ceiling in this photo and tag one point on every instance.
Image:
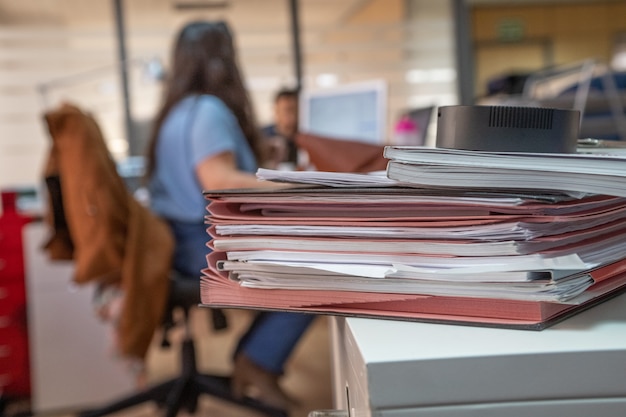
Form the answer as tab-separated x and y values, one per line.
511	2
252	12
62	12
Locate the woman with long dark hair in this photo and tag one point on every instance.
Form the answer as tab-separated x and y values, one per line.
205	138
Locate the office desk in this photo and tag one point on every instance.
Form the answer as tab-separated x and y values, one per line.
576	368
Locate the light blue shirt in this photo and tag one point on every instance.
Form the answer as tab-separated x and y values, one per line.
196	128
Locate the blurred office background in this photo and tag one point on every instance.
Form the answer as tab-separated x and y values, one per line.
428	52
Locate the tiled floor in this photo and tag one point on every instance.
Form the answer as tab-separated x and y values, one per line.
307	377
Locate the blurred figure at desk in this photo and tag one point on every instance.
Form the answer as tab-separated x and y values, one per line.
205	138
281	135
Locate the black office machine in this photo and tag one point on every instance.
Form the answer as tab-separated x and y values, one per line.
508	129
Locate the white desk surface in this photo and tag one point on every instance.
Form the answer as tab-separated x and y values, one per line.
393	364
602	327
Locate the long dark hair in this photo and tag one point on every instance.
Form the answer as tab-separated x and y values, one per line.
204	62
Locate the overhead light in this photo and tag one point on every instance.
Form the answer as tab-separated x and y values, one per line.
117	146
199	4
417	76
433	75
327	80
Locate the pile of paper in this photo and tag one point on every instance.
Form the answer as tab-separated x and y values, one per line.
370	246
576	172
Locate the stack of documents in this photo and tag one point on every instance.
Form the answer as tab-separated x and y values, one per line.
367	245
595	173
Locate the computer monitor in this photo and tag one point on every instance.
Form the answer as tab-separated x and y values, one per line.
422	119
356	111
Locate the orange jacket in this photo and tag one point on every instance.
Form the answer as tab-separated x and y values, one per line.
112	239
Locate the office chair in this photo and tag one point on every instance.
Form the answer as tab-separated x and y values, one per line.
183	391
113	240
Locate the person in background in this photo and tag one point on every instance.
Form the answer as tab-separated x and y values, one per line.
205	138
281	135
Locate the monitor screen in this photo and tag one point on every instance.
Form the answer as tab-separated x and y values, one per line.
353	111
421	117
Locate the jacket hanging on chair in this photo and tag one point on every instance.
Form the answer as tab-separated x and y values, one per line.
112	239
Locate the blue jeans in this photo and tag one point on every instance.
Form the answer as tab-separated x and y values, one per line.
271	337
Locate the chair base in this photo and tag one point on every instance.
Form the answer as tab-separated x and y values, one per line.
183	392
